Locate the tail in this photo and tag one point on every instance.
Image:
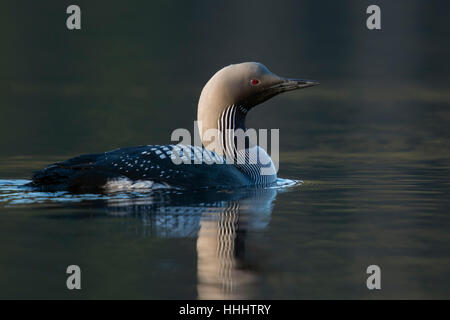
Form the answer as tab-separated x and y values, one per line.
53	177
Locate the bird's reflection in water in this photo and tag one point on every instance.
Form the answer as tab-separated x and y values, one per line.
221	222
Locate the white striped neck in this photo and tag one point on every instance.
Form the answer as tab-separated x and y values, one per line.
239	147
230	125
219	131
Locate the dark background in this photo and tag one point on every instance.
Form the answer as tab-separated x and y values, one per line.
371	142
134	72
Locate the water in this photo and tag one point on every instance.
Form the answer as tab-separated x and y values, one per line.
310	240
370	145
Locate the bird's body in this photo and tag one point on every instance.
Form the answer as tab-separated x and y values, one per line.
146	167
223	105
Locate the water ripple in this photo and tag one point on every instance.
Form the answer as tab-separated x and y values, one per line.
14	192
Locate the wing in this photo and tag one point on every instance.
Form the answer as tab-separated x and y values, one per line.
185	167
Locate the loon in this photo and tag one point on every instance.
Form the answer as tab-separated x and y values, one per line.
224	102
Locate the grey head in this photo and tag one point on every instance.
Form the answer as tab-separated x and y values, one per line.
241	87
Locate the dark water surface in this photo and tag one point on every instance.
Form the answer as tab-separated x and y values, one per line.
371	145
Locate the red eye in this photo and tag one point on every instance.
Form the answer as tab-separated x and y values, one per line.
254	82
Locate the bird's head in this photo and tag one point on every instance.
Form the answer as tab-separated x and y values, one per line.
247	85
231	93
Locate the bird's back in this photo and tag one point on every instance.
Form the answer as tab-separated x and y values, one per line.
143	166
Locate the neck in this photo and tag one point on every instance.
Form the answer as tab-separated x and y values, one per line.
220	132
224	133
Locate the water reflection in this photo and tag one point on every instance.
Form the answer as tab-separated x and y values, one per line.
220	221
223	270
